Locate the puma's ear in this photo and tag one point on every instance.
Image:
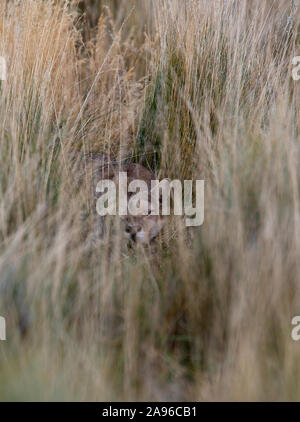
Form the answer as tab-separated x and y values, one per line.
98	165
108	171
125	167
132	169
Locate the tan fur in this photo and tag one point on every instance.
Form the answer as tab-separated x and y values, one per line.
140	229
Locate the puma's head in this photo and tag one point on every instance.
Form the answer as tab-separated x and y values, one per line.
137	228
143	229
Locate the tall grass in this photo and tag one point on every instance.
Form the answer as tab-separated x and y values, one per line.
191	89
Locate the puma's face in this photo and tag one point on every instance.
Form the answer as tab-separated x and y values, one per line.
143	229
137	228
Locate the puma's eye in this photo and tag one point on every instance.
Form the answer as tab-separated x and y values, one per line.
127	230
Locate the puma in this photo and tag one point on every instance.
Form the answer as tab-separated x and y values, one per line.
136	228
